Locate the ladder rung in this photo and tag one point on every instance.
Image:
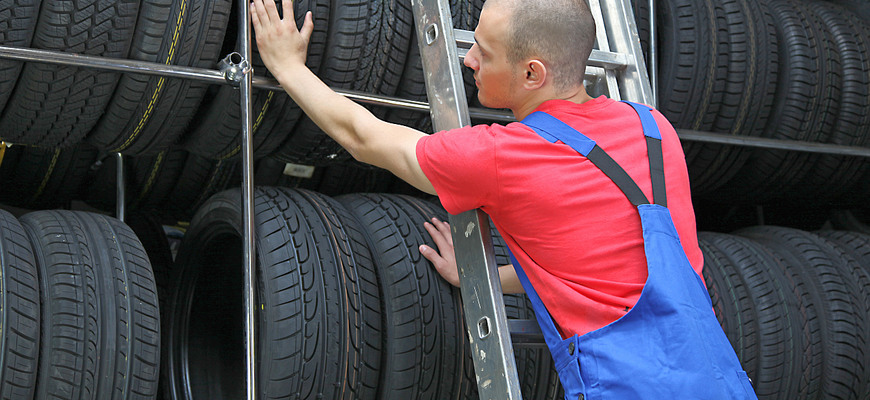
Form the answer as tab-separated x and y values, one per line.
525	333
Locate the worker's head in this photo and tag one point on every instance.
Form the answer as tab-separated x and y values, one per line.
525	45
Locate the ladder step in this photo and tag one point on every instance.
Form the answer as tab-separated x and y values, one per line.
526	333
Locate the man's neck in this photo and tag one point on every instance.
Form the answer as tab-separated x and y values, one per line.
578	96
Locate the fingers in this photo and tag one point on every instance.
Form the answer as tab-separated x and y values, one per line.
287	6
307	26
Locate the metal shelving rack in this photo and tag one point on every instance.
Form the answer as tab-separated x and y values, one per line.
235	70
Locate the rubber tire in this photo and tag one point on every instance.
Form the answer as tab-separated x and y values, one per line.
19	311
17	24
807	100
148	113
748	93
318	319
56	106
758	311
425	347
834	312
36	178
856	246
100	334
833	175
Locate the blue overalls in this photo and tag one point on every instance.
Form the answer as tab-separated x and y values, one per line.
670	345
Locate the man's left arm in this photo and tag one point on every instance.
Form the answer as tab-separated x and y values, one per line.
368	139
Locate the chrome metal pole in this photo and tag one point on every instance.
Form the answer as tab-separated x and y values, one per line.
120	205
652	63
246	86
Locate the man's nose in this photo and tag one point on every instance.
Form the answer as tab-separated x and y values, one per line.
471	58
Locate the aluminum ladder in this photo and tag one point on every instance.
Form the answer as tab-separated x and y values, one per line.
616	68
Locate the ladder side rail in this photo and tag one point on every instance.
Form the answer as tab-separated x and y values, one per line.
483	305
622	37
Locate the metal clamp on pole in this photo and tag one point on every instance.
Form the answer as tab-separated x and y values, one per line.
234	67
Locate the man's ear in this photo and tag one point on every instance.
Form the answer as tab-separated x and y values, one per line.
536	74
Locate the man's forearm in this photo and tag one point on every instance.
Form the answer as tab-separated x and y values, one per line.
335	114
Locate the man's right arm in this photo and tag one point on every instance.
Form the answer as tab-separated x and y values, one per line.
283	49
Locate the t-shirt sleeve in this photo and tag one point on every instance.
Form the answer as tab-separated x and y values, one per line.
460	163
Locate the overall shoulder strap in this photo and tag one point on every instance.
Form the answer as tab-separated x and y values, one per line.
654	151
552	129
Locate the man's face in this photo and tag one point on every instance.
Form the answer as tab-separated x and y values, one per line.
494	76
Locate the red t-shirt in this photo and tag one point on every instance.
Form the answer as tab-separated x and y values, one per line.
575	233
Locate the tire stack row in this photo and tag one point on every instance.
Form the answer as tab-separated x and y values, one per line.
784	69
79	309
347	306
367	46
796	307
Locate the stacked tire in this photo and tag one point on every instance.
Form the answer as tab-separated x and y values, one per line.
794	305
79	308
785	69
347	306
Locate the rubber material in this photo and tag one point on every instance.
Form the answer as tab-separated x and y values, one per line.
149	113
424	350
56	106
19	311
100	334
318	315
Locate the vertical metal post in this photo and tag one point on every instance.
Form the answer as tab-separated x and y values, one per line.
248	197
618	18
120	206
482	299
652	63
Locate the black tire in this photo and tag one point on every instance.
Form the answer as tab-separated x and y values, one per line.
758	311
807	100
20	311
100	336
36	178
752	68
16	29
834	174
835	319
424	336
856	246
215	130
318	323
693	62
149	113
148	179
56	106
851	220
199	179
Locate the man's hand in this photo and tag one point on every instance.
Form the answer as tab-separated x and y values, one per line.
280	44
445	261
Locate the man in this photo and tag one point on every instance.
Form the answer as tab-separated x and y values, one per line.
576	235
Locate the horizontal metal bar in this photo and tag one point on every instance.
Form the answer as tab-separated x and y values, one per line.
464	38
526	333
112	64
215	77
778	144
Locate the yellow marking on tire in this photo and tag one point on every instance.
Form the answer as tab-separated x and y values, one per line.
179	22
256	125
47	175
151	178
2	151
